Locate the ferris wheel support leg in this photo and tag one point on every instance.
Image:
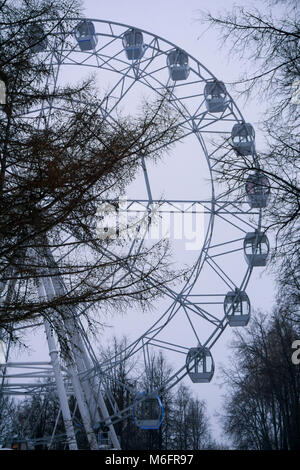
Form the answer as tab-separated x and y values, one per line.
101	402
83	408
61	391
78	350
82	359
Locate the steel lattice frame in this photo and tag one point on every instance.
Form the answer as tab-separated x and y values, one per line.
197	306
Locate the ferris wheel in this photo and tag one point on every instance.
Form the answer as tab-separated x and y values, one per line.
191	317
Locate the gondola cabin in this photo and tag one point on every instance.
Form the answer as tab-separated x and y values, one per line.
178	65
85	35
215	95
36	38
243	139
200	365
147	411
237	308
258	190
256	248
133	44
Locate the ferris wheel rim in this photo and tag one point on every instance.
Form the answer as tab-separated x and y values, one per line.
123	25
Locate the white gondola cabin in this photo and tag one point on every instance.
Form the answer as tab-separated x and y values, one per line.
36	38
256	248
133	44
200	365
237	308
215	95
243	139
178	64
86	35
257	190
148	411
